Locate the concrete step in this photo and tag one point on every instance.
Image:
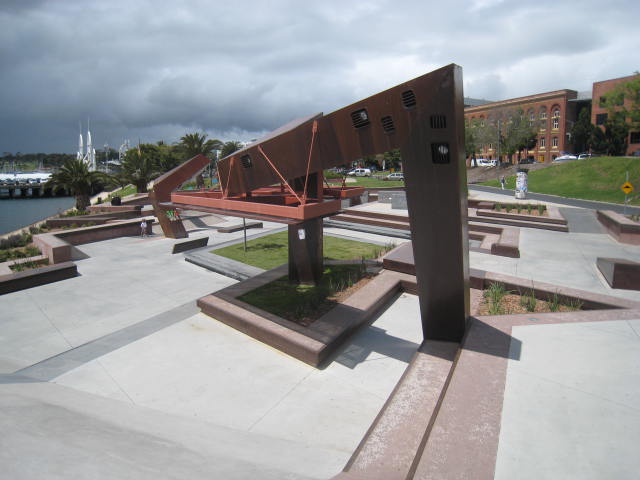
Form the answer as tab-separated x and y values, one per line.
394	442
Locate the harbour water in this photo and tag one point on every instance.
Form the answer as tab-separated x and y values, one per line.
16	213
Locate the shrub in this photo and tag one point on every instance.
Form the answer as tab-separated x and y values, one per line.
74	213
494	295
529	301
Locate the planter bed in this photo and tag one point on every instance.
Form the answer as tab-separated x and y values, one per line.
38	276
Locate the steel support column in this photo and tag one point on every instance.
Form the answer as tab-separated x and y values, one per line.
305	251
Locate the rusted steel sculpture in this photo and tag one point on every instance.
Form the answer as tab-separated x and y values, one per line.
280	178
167	215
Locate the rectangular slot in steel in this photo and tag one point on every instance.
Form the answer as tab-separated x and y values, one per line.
360	118
409	99
438	121
440	153
387	124
245	160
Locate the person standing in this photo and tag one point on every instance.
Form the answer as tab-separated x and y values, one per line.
503	182
143	228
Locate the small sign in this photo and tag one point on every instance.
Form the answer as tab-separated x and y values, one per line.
627	188
301	234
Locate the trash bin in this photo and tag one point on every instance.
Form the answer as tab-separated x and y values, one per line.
116	201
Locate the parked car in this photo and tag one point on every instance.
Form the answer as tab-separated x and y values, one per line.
583	156
564	158
636	153
360	172
528	160
483	162
395	176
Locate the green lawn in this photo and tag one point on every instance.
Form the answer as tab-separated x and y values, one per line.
373	182
304	303
123	192
597	179
272	250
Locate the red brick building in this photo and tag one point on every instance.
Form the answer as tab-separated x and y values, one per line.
600	112
552	113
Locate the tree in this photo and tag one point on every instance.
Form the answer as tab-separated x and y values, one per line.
139	166
582	134
169	157
613	140
392	158
229	147
518	135
193	144
471	144
75	177
629	110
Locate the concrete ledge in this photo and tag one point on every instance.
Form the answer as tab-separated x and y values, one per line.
400	259
56	249
238	227
392	443
523	221
620	273
189	245
622	228
115	210
67	222
57	246
387	196
313	344
554	216
508	244
37	276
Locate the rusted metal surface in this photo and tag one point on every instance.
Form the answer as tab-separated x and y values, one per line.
171	223
424	119
306	251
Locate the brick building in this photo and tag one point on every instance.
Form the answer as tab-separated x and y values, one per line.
600	112
553	114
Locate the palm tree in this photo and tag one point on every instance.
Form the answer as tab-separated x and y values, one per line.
193	144
229	147
75	177
139	168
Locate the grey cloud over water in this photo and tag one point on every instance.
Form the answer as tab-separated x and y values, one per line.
154	70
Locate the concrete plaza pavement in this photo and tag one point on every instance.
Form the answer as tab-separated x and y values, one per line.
115	374
117	371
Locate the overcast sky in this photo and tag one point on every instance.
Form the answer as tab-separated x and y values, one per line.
154	70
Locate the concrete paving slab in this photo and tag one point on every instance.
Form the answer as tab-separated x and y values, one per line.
571	403
200	368
53	432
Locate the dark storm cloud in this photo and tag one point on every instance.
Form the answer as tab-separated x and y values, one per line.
157	69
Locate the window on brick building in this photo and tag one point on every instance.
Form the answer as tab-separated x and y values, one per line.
532	118
542	142
543	114
556	119
601	118
554	142
634	137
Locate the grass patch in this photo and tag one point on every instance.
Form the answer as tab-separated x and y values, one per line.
272	250
123	192
497	300
305	303
596	179
29	265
